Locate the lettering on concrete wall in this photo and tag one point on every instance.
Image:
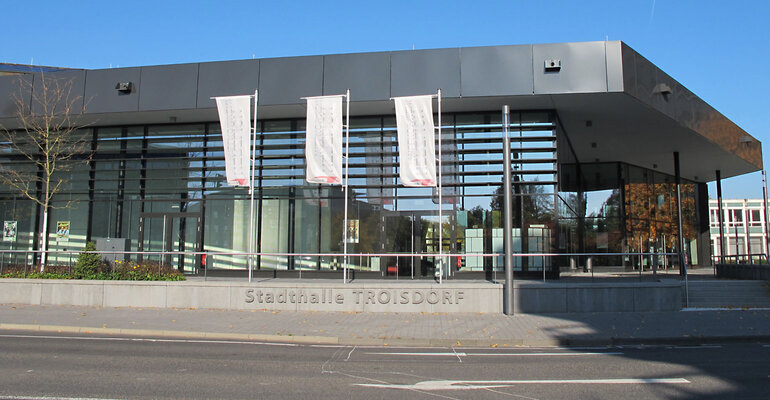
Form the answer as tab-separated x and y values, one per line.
354	296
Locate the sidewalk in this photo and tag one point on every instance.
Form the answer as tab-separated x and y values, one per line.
397	329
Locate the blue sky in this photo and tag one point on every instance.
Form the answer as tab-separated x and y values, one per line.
718	49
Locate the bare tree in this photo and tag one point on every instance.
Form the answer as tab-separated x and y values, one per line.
48	140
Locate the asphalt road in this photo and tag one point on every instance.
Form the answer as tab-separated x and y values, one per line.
38	366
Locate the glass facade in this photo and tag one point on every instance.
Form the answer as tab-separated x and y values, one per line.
162	187
628	209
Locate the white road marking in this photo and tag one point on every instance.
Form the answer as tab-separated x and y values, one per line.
545	354
475	385
697	347
725	309
460	359
351	352
417	354
127	339
501	354
51	398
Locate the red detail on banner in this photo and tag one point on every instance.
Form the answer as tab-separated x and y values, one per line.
424	182
329	179
241	182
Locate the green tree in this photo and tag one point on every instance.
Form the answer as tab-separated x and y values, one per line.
88	262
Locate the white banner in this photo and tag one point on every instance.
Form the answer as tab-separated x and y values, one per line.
235	119
323	141
416	146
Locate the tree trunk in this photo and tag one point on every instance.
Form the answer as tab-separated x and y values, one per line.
44	239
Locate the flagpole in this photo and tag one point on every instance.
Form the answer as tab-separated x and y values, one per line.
347	179
251	189
440	199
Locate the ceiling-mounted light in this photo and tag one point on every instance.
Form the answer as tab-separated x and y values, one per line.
662	89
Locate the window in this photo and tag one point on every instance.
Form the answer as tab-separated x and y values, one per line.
736	216
755	218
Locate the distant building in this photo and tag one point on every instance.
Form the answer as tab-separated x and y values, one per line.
743	225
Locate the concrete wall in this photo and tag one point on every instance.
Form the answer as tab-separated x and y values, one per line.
415	297
556	297
744	271
368	296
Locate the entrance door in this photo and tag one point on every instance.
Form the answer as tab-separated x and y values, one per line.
410	233
175	233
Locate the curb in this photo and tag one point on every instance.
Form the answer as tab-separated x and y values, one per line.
173	334
405	342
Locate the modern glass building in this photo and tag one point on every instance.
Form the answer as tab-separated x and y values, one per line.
594	132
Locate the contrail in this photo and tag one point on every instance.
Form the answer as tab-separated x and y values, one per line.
652	12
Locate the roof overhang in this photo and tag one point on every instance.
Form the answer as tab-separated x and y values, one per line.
638	114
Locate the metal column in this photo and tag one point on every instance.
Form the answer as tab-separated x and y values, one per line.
682	264
721	218
507	215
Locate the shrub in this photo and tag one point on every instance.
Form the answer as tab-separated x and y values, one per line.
145	271
90	266
88	263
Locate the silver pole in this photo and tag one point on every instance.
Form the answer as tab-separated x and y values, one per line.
345	188
251	189
412	257
507	214
163	240
440	199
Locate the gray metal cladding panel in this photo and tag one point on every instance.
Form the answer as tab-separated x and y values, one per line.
646	79
422	72
367	75
629	69
14	87
287	80
496	71
614	56
70	83
583	68
226	79
680	104
102	96
168	87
